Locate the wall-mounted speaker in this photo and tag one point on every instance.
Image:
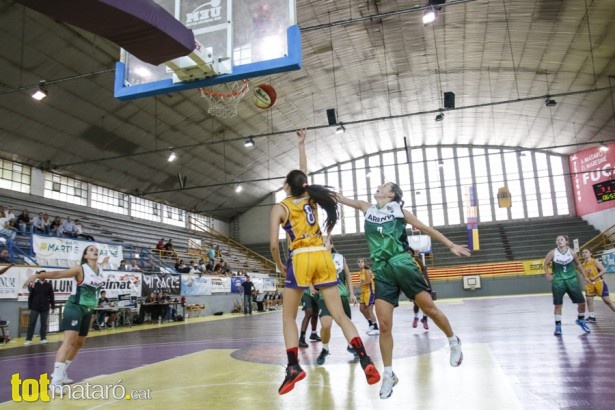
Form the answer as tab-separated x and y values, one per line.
449	100
331	116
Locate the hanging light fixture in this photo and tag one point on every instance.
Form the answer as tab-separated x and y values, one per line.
341	129
440	117
249	142
238	188
41	91
603	147
172	155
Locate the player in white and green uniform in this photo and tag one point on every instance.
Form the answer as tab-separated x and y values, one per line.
346	290
395	271
87	282
564	281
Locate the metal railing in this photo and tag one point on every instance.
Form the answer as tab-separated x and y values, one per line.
601	242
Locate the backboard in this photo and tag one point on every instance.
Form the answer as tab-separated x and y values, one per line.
237	39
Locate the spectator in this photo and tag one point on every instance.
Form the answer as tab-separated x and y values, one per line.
8	214
123	266
248	287
211	254
24	222
4	257
7	229
40	300
209	268
68	228
78	231
170	252
56	226
38	224
105	318
133	266
194	269
181	267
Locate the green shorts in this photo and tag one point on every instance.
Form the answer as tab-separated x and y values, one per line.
309	302
398	274
566	286
76	317
325	312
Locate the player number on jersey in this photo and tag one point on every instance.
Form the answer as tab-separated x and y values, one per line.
309	215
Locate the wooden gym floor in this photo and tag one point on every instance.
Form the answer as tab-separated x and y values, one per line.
511	361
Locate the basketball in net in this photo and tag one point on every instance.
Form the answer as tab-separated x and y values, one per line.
223	98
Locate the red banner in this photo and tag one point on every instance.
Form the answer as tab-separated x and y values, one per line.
588	168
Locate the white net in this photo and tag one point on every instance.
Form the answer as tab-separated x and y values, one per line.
223	98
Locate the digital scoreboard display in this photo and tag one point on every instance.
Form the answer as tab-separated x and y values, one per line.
605	191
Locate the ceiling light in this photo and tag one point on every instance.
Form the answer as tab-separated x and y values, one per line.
429	16
41	92
238	188
550	102
340	129
249	142
603	147
172	155
440	117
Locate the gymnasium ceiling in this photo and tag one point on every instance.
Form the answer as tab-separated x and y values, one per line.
384	75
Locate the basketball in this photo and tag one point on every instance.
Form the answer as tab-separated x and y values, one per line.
264	96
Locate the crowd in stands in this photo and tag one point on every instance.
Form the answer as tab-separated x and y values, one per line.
40	224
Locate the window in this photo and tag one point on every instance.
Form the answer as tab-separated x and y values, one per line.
144	209
109	200
15	176
65	189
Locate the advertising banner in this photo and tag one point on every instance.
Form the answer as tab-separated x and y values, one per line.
221	285
161	282
53	251
193	285
587	168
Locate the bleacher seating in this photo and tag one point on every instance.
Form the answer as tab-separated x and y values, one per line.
499	241
135	234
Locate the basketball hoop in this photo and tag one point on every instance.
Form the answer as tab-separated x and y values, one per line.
223	98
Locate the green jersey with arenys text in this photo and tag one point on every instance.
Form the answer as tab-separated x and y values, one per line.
86	292
383	230
563	265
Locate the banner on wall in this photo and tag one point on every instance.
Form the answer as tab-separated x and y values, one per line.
587	168
161	282
116	283
54	251
194	285
608	260
221	285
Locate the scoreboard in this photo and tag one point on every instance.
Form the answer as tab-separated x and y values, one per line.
605	191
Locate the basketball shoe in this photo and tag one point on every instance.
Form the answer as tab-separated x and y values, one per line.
424	322
456	353
371	373
583	324
322	356
294	373
388	382
558	330
415	322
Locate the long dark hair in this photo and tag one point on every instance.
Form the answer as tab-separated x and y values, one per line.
398	193
83	259
320	195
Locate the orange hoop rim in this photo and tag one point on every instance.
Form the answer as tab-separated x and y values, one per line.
226	95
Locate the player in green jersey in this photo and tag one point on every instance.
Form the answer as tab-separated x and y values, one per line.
564	281
396	271
87	282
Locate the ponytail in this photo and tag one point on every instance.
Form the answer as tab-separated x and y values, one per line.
319	195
